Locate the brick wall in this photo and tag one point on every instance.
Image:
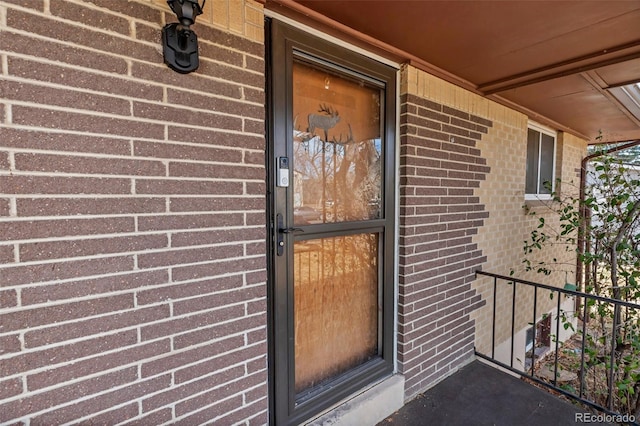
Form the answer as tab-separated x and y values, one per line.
501	236
462	195
132	217
440	170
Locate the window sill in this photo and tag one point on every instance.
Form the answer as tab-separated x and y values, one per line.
538	197
538	204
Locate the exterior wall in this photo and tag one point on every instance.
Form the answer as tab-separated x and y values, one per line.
244	18
462	208
440	171
502	238
132	216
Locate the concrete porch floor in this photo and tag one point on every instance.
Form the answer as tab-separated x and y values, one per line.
479	394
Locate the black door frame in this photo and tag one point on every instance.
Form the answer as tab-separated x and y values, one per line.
282	43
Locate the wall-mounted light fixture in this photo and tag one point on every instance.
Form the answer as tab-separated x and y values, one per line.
179	42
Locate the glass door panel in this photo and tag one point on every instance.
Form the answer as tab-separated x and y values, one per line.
337	147
336	306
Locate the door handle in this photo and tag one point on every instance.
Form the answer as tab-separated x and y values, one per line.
290	230
281	233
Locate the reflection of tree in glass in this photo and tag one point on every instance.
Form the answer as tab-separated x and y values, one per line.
336	306
340	174
358	179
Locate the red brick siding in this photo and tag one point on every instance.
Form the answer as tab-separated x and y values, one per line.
132	221
440	167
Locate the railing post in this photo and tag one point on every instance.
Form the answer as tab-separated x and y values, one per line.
533	349
555	365
513	319
493	325
616	314
584	336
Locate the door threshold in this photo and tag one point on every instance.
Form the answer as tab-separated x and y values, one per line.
366	408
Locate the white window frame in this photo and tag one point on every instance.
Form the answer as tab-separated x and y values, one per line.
550	132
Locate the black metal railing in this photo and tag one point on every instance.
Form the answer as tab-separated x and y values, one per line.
585	305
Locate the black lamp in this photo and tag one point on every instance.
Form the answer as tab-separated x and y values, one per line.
179	42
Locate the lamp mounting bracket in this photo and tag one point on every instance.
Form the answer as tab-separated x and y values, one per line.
180	47
179	41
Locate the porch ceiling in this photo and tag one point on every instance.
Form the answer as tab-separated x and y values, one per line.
556	59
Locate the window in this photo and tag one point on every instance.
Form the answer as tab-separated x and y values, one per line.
541	156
